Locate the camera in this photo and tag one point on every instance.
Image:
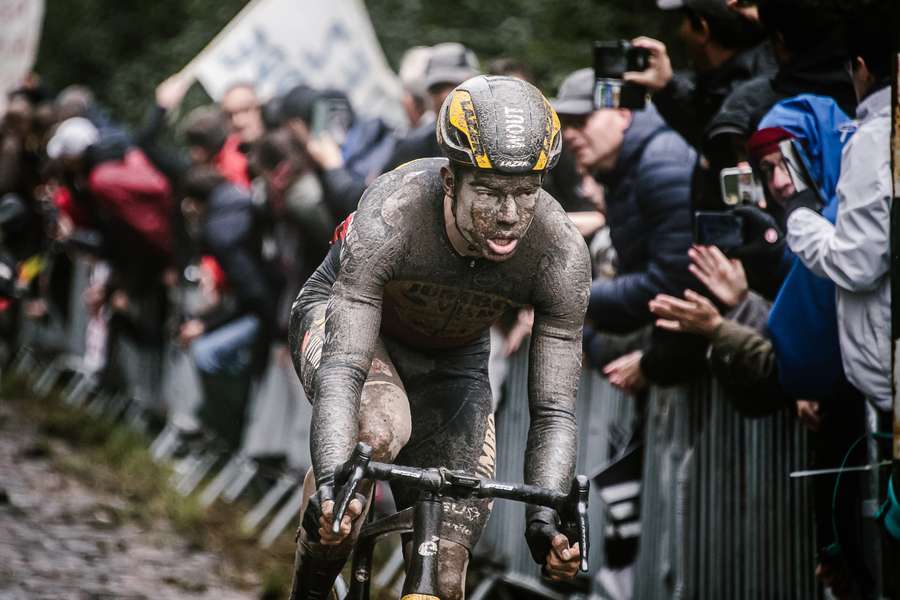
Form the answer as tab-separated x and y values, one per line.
612	59
740	186
724	228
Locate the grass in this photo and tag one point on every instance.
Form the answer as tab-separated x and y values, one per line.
112	458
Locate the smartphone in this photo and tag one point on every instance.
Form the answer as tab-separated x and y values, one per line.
611	60
740	186
797	165
722	229
331	116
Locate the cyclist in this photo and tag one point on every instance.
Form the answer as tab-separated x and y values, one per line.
390	335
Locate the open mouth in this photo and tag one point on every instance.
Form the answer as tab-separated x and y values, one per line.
502	246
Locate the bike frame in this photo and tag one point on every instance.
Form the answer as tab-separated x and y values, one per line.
424	518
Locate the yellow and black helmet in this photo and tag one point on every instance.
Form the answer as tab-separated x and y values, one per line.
499	124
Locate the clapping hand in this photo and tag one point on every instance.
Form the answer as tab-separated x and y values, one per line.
694	314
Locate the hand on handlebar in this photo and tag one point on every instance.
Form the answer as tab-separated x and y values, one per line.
550	547
326	536
562	560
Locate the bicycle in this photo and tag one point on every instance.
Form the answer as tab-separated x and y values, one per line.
423	518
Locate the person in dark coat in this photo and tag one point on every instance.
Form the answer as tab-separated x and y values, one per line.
646	168
726	49
808	43
449	65
229	341
226	226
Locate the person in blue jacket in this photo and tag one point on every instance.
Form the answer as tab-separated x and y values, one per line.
802	358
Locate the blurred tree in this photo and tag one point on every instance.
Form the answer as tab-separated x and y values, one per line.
553	38
123	49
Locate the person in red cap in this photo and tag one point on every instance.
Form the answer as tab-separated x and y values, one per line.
764	151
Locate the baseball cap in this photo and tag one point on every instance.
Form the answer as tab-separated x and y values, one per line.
765	141
450	63
298	103
412	69
703	7
72	137
576	94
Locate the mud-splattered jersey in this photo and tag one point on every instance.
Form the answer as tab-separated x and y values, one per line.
395	273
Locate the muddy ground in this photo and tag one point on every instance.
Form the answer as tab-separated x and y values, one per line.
60	539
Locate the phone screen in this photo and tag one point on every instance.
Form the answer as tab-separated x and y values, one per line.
739	186
332	117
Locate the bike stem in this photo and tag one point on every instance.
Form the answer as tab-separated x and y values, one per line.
422	580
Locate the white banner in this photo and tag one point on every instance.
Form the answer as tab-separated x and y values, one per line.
20	31
276	44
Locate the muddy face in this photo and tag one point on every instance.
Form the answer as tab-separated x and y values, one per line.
494	211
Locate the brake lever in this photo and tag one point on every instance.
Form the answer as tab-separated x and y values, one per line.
581	488
351	472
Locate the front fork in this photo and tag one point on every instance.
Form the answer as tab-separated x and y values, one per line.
361	573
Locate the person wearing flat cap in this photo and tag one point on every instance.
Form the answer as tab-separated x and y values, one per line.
646	169
449	64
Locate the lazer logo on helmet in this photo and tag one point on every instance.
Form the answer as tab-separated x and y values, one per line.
511	164
515	126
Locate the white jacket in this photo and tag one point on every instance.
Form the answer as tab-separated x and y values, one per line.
855	252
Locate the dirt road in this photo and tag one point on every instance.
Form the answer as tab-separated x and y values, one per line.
61	540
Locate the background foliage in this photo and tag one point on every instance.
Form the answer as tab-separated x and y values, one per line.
124	49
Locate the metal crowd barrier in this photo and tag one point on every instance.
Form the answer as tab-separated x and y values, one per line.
719	516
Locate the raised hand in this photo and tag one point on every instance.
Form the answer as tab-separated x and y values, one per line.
723	276
694	314
659	72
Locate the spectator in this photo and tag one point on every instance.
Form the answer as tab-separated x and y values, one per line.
295	203
20	177
347	150
803	359
449	65
725	49
241	107
231	340
853	251
208	141
415	94
646	169
114	189
222	138
807	41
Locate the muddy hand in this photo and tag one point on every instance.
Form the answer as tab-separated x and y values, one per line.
328	538
562	560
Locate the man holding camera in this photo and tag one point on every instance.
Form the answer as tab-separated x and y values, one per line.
805	37
646	167
725	48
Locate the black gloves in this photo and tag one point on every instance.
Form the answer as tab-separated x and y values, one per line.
764	254
541	528
808	198
763	239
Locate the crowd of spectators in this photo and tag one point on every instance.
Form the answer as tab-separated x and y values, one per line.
795	314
